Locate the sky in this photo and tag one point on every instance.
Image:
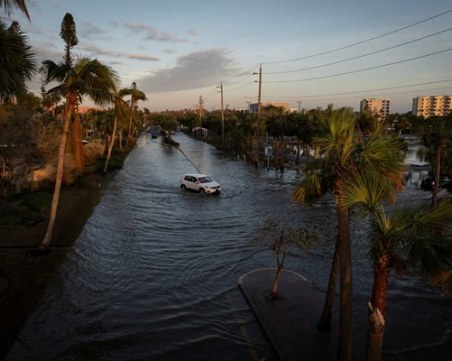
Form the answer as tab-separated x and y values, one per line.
312	53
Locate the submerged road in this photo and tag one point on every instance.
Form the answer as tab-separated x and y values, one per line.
153	275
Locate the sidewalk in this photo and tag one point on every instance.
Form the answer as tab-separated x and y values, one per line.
289	323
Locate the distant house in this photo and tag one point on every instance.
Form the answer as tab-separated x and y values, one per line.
253	107
82	109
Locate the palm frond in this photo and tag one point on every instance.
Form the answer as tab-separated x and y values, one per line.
314	181
367	191
16	60
385	154
421	236
443	280
54	71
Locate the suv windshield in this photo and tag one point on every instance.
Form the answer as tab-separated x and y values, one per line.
205	180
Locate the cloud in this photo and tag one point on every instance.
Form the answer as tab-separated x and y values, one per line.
151	33
169	51
96	51
195	70
88	30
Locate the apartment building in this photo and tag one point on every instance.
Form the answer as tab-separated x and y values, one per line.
379	107
428	106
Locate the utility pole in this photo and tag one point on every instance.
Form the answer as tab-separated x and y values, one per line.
222	114
299	106
259	105
201	110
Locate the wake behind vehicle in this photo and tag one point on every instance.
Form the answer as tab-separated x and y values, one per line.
200	183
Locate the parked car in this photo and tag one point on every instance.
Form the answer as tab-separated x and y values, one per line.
200	183
444	183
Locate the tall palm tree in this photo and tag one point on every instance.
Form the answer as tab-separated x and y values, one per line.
119	115
68	33
135	96
86	78
412	236
17	64
343	155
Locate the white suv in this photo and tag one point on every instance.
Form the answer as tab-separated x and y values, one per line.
201	183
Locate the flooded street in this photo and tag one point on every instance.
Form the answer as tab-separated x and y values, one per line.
153	275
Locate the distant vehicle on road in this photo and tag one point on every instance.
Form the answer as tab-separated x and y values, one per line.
428	183
200	183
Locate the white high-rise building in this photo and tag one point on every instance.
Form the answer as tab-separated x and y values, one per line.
379	107
428	106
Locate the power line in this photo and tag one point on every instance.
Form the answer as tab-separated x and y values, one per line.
362	69
360	56
244	75
375	89
240	87
345	95
362	41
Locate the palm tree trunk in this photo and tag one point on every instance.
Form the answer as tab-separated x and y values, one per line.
437	175
308	151
78	143
59	174
132	104
110	145
324	324
377	309
346	291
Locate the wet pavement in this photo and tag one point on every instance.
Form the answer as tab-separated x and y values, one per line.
289	322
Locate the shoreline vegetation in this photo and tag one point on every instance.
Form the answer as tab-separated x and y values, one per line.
24	275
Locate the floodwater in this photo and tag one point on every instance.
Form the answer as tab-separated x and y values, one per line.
153	275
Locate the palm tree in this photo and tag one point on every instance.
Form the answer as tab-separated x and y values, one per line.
343	155
411	237
86	77
119	115
68	33
16	58
135	95
16	61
